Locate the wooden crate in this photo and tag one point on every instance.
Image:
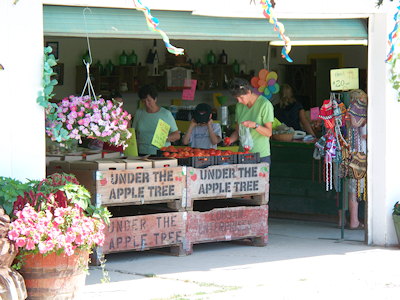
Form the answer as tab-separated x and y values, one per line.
142	186
139	233
250	182
226	224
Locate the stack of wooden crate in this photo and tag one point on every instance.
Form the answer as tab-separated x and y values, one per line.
157	204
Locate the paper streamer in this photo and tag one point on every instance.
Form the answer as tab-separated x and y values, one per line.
394	35
278	26
153	23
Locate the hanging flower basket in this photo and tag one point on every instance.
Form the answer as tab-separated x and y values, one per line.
78	117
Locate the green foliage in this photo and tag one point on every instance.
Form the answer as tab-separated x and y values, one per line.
40	194
10	189
396	209
48	84
395	75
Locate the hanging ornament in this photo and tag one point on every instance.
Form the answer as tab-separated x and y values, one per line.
278	26
266	83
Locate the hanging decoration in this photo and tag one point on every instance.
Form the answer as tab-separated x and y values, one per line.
153	23
394	35
330	145
278	26
343	146
266	83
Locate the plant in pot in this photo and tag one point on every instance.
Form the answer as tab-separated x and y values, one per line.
55	227
396	219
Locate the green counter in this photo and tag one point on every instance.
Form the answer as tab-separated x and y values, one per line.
296	182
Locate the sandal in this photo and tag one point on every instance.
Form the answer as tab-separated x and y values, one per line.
359	227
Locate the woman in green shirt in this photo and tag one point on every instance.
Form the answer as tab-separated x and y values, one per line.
146	120
255	112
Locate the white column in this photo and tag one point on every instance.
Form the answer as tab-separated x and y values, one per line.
22	135
383	140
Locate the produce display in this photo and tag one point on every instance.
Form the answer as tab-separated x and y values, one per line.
184	152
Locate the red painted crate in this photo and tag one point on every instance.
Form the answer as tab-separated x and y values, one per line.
226	224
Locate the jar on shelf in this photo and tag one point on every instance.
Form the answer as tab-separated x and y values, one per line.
109	68
236	67
223	58
211	58
123	59
132	59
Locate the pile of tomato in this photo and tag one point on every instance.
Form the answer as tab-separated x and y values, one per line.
183	152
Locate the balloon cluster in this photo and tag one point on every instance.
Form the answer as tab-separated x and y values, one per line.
266	83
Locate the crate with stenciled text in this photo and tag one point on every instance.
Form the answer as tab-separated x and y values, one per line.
246	223
143	232
142	186
247	182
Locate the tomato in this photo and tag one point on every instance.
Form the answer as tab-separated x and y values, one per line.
166	154
218	152
174	154
213	152
163	148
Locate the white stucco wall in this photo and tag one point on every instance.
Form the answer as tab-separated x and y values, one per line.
22	140
383	144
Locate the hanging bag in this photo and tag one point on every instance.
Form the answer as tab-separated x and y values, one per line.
358	165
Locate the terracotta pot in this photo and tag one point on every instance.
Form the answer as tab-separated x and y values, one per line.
56	277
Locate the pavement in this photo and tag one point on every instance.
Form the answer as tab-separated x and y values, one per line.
303	260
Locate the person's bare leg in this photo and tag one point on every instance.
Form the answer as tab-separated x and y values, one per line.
353	211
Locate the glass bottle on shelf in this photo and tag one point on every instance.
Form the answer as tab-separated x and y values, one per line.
223	58
198	66
211	58
109	68
123	59
99	67
236	67
132	59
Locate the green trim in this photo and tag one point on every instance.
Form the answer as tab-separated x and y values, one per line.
129	23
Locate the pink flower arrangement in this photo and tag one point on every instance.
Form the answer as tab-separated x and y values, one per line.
62	231
55	215
79	117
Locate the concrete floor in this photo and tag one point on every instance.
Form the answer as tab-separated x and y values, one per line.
302	261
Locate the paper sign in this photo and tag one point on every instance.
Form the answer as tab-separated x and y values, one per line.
161	134
344	79
188	93
314	113
131	150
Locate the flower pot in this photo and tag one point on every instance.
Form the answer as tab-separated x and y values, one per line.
54	276
396	221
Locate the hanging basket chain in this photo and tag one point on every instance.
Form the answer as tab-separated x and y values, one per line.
88	84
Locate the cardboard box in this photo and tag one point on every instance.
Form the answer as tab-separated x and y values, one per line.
92	155
73	157
132	164
100	165
163	162
58	166
50	158
110	155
